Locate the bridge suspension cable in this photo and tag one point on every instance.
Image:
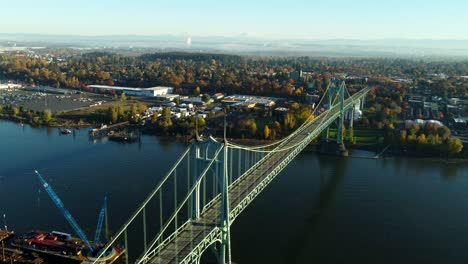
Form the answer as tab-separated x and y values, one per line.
276	150
310	118
210	182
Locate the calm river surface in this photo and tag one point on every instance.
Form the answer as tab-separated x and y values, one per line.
321	209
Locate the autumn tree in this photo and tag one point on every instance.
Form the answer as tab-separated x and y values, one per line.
253	128
454	146
266	132
164	121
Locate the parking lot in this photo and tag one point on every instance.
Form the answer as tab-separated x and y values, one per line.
39	101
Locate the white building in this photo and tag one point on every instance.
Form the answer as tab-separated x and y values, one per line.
9	86
147	92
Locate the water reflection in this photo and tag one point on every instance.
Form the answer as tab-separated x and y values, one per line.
319	206
449	171
49	131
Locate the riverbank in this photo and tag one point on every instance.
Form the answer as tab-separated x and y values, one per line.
364	139
55	123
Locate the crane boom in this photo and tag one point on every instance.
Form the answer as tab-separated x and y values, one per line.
64	210
102	213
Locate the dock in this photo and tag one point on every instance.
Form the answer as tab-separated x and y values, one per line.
104	129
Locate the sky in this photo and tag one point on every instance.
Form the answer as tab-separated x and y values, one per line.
287	19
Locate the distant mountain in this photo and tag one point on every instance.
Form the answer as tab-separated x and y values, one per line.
251	44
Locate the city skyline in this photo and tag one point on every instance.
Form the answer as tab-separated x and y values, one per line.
336	19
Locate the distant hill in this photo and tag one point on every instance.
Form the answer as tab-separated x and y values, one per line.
245	44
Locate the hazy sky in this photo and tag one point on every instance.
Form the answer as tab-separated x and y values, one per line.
325	19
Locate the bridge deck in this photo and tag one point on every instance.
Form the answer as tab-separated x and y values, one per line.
193	234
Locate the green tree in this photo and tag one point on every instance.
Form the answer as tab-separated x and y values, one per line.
142	108
134	109
123	97
16	111
444	132
47	116
164	121
154	118
206	98
36	120
351	134
113	114
1	110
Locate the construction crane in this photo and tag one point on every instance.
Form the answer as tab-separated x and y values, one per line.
102	213
64	211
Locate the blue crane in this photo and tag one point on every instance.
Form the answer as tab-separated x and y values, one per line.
64	211
102	213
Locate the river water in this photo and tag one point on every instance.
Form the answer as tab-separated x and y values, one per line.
320	209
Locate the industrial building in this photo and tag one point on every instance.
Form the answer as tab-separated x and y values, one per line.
250	101
419	107
146	92
9	86
167	97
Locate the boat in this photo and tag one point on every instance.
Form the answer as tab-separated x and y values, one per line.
10	255
15	256
65	131
5	235
123	136
98	129
59	247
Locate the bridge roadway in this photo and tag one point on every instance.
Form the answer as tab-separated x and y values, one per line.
197	236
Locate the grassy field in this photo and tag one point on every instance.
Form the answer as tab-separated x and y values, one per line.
363	136
126	105
95	113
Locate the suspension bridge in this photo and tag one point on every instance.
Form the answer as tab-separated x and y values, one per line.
192	208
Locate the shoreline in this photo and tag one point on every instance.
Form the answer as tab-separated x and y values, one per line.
257	142
22	120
